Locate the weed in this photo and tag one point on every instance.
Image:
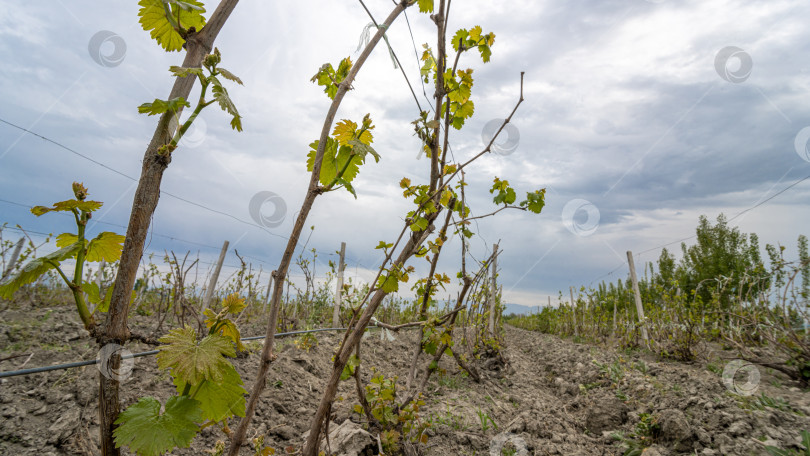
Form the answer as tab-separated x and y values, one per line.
645	433
613	372
485	420
714	368
641	366
306	342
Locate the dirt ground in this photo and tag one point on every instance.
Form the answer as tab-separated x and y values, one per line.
555	397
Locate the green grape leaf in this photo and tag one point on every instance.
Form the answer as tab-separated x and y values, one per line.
431	346
425	6
229	76
193	362
102	302
218	401
535	201
344	131
92	291
225	102
334	159
234	303
389	283
466	109
106	246
486	52
458	38
226	328
182	72
161	106
66	239
328	167
35	268
358	148
184	14
420	224
507	196
348	369
67	206
344	67
347	185
148	433
475	33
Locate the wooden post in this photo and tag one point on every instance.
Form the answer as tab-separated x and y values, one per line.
573	310
209	293
339	288
492	290
14	255
100	274
637	293
269	290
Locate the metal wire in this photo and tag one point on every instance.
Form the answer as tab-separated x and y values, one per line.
36	370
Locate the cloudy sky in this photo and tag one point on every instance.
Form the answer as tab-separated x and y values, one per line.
639	116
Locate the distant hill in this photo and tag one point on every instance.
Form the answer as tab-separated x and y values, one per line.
518	309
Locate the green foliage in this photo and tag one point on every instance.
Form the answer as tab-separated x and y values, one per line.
395	421
106	246
160	106
505	194
220	323
348	369
208	386
535	201
146	431
720	252
169	21
459	89
35	268
464	40
644	434
306	342
218	401
485	420
210	65
425	6
344	154
193	361
389	280
331	79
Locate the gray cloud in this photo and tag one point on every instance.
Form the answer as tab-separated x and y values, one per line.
623	109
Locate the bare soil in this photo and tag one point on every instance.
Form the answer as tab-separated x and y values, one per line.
554	397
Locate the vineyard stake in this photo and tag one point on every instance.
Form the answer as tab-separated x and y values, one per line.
339	289
637	294
574	311
14	255
209	293
492	290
